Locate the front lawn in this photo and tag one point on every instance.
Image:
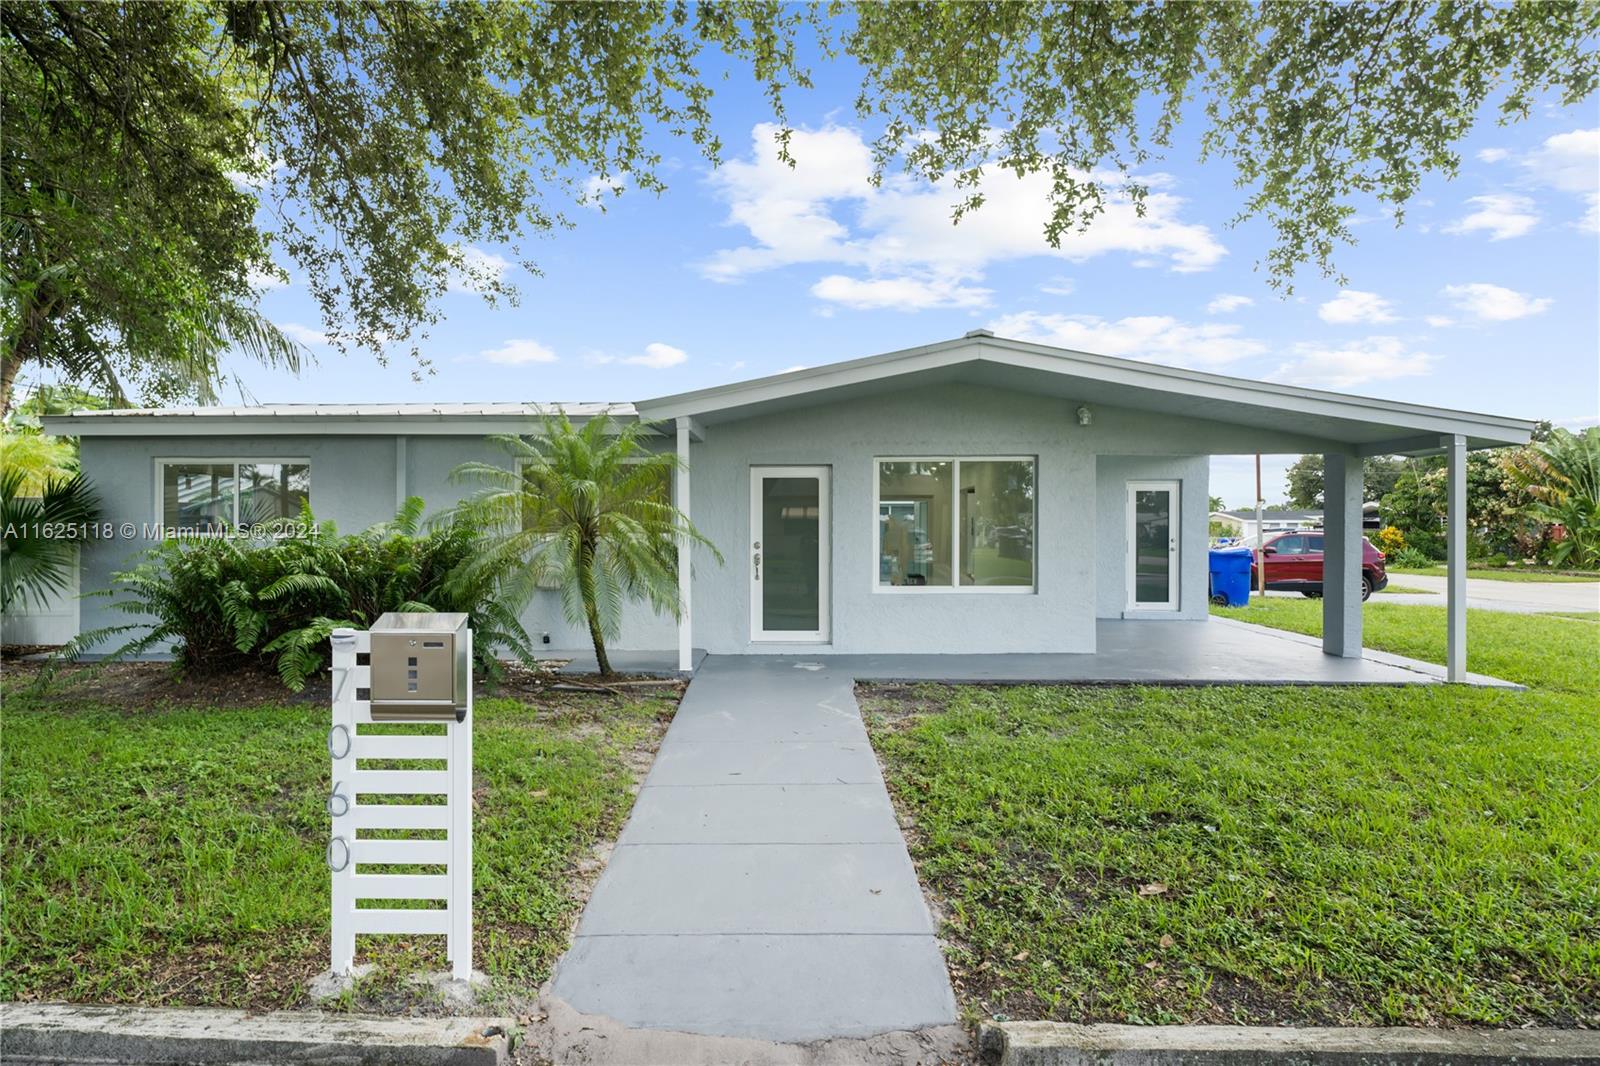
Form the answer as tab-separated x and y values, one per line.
1422	855
1500	574
171	851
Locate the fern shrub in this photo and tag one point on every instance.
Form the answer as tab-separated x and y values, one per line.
223	604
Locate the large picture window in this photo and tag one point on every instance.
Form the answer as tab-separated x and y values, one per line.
963	524
210	495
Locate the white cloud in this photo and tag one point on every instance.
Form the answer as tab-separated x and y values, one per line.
1352	363
1501	215
261	281
1227	302
797	366
1353	305
1577	422
658	356
825	209
1439	321
1567	161
898	294
304	334
1156	338
1059	286
1494	303
598	189
1492	155
480	270
520	351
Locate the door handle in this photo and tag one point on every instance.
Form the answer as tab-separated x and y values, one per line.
757	559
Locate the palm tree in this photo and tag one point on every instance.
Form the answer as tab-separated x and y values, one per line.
41	530
1562	474
586	508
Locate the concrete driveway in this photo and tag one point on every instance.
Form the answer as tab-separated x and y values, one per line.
1517	597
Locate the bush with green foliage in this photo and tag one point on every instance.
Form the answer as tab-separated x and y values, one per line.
223	603
1410	558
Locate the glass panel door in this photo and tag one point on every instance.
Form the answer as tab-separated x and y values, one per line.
1152	545
789	553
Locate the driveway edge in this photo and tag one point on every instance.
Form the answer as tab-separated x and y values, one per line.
1063	1044
60	1033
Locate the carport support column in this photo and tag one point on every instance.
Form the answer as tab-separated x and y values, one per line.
685	575
1341	556
1455	539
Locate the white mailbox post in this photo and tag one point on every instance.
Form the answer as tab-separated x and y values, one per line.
362	781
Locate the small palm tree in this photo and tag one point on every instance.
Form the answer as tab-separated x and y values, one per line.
587	508
41	532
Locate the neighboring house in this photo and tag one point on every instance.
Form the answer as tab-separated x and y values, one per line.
1241	525
978	495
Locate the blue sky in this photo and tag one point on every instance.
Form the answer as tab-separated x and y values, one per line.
1485	299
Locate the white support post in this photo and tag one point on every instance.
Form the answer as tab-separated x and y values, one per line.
1341	555
459	946
685	573
1456	559
341	852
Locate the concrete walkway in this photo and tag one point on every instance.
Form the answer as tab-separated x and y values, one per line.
1487	594
761	887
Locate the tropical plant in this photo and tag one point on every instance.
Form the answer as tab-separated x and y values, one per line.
223	603
1410	558
1391	541
587	508
40	532
1562	475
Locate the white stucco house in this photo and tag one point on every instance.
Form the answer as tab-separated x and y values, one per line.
978	495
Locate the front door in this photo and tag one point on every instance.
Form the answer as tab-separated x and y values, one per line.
1152	546
789	553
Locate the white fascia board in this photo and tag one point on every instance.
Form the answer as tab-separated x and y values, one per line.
278	425
1415	418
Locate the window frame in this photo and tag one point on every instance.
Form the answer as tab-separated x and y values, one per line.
955	461
163	461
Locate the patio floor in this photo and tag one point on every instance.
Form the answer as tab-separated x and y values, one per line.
1217	651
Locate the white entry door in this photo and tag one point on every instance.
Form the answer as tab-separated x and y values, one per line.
790	548
1152	545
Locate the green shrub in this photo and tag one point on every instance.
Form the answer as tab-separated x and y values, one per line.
223	603
1410	558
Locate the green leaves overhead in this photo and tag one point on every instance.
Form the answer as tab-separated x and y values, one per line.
159	157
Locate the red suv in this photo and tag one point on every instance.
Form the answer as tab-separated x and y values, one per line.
1294	564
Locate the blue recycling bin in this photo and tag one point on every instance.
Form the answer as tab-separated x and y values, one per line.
1230	576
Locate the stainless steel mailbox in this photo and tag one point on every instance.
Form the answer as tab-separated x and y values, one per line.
421	668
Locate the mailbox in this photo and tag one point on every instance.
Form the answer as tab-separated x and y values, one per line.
420	667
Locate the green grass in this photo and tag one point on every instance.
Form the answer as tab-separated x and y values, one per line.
1497	574
175	855
1403	589
1419	855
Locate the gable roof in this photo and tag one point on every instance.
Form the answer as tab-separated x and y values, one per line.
1374	426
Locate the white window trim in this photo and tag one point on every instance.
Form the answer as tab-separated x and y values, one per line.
1130	574
955	529
163	461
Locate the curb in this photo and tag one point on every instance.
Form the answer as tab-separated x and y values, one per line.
1061	1044
59	1033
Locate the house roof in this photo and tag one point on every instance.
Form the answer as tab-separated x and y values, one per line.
346	418
1374	426
1248	514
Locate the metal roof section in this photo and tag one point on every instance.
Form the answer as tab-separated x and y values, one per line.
468	419
1367	424
1312	417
